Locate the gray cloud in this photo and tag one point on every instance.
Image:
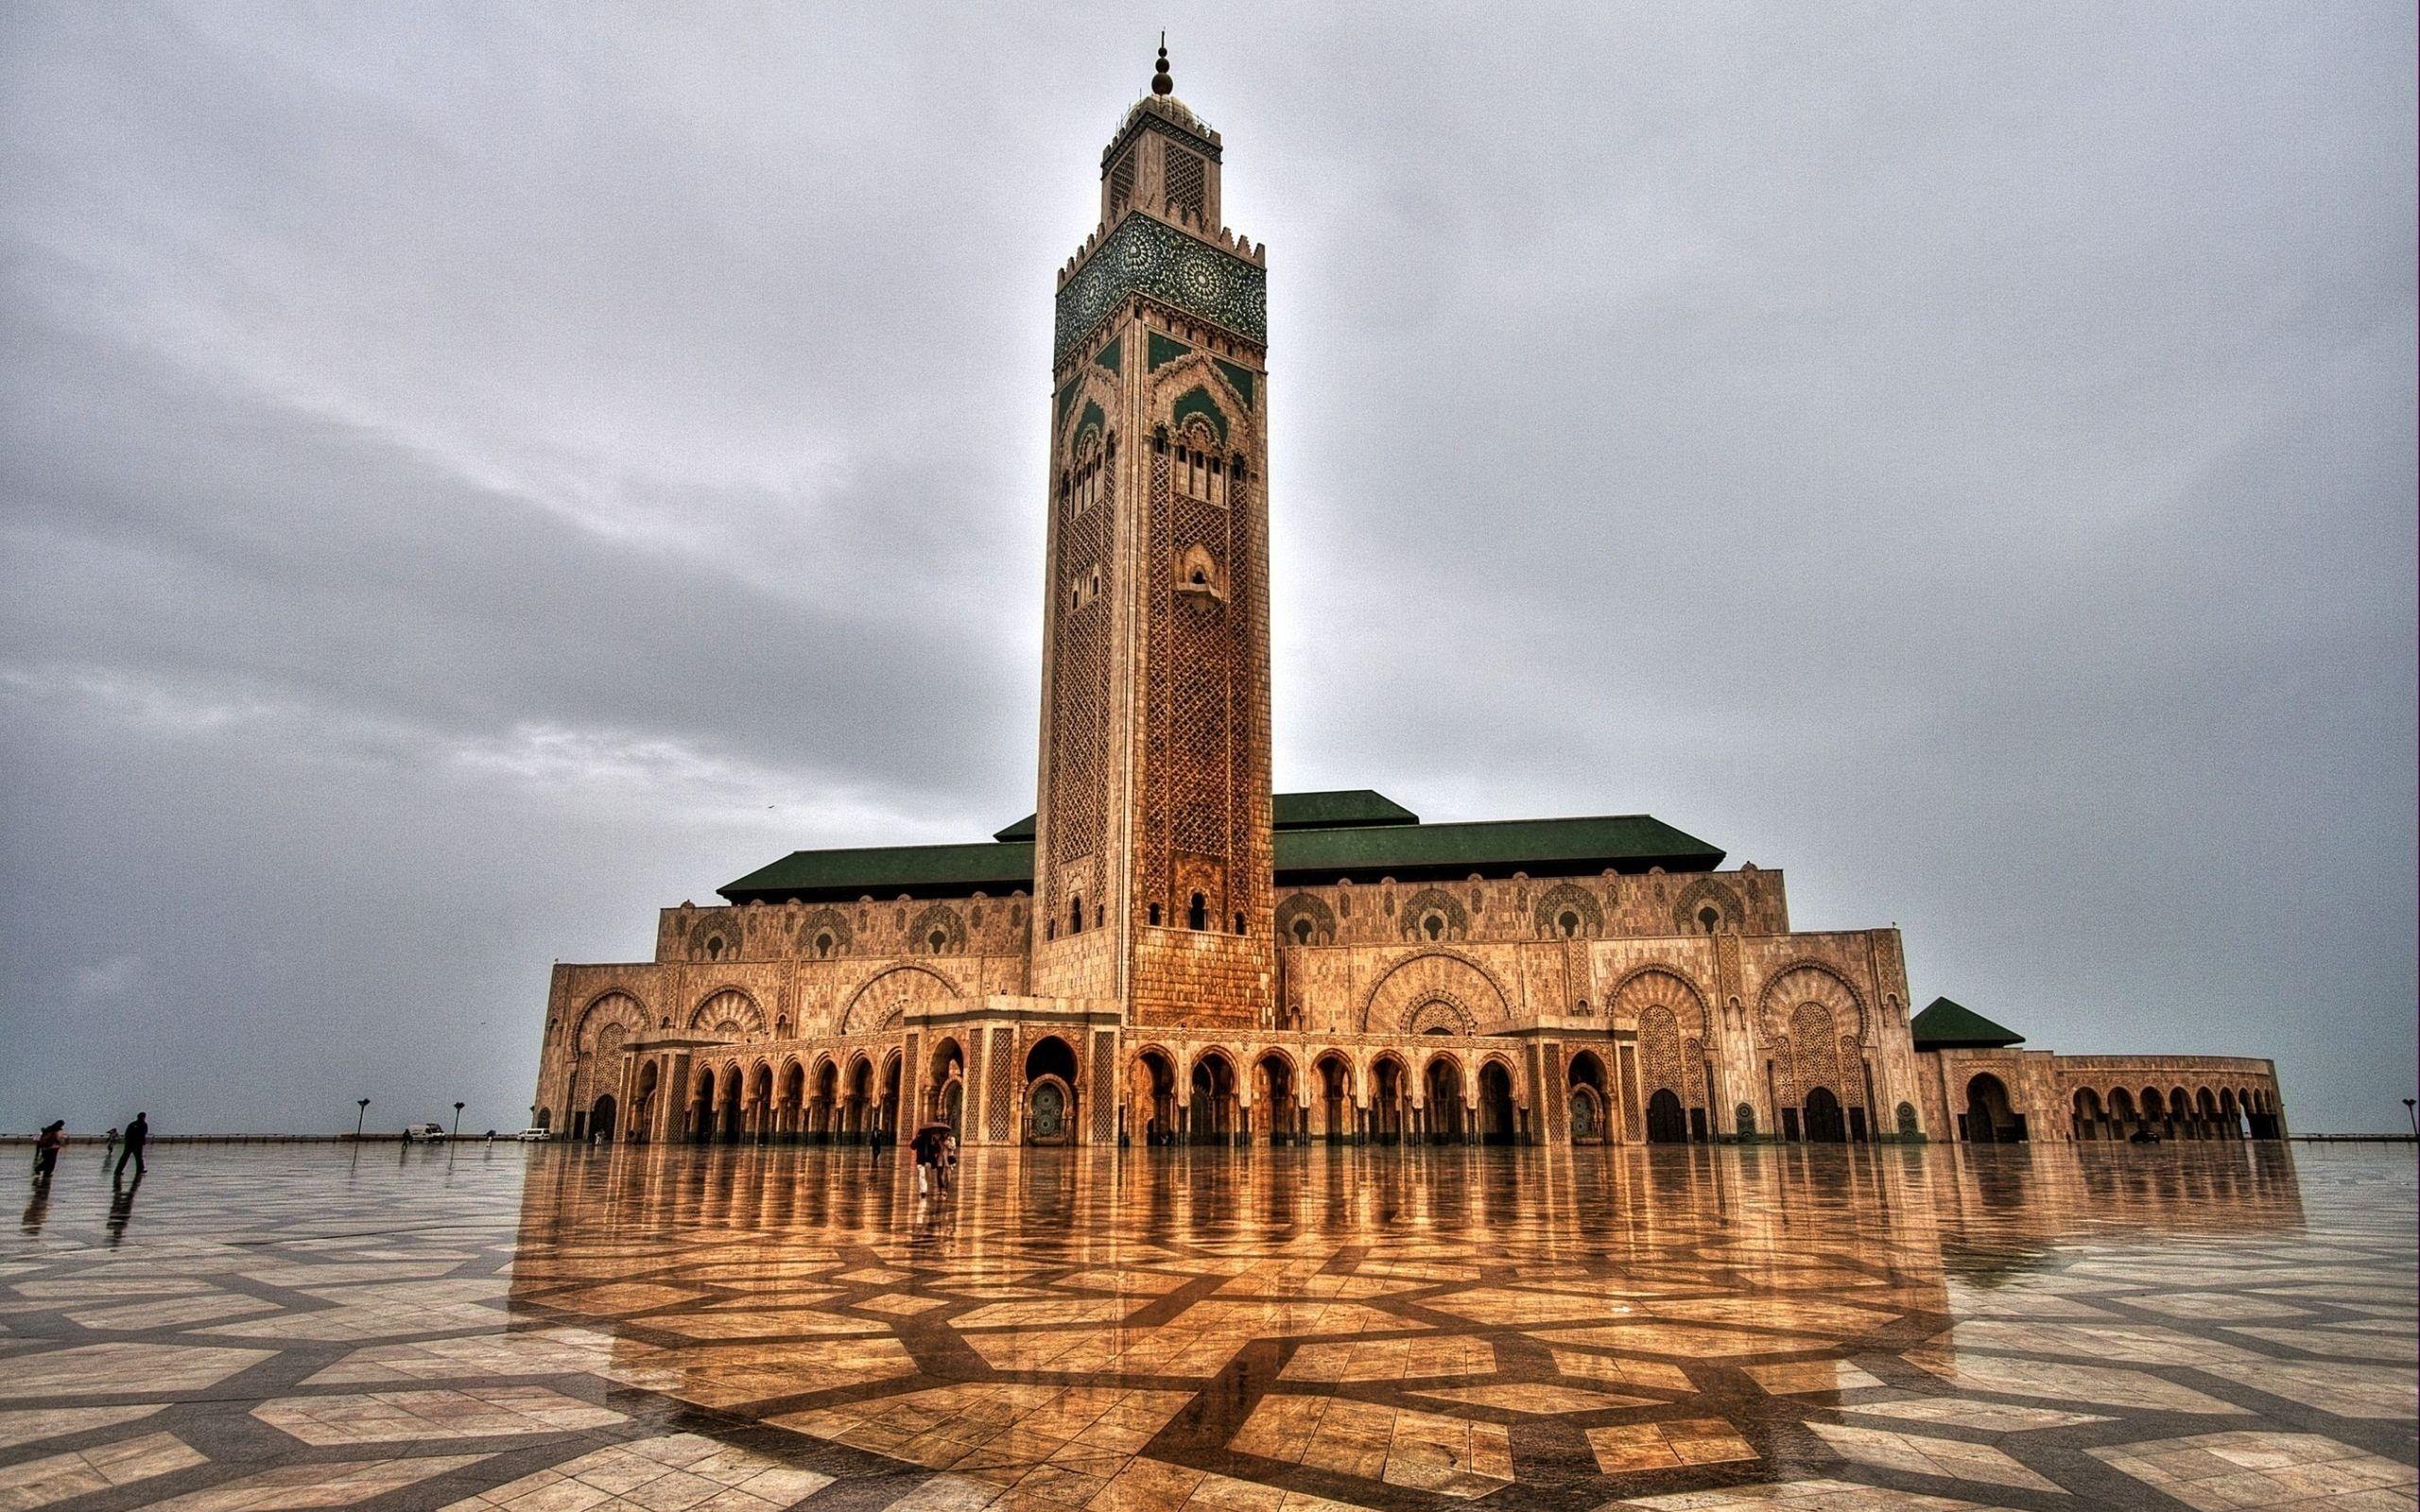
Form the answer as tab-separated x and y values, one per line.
471	478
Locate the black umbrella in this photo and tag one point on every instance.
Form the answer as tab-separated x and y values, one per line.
934	1129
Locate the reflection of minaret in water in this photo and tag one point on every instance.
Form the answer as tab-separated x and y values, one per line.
1152	866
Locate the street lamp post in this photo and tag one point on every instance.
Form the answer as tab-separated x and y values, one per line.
361	1106
2410	1104
458	1121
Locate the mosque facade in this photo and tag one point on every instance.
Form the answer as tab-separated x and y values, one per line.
1166	951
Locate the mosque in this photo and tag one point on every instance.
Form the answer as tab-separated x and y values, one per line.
1164	950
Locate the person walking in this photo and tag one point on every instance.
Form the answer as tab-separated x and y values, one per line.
138	1134
109	1146
927	1145
946	1164
46	1147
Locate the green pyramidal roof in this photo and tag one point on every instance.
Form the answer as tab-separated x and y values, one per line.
1321	837
1946	1025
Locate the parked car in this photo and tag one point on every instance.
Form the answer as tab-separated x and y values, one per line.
535	1136
424	1133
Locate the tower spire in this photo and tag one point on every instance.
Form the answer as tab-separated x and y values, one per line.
1161	82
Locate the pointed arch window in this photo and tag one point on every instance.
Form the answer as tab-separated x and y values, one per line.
1085	480
1200	470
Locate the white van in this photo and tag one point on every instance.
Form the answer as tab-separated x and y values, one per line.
424	1133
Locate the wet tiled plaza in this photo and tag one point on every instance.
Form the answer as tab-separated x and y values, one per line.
555	1329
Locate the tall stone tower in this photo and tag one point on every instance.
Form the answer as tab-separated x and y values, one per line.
1152	866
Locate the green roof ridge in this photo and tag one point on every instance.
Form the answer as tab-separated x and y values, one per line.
1948	1025
1364	850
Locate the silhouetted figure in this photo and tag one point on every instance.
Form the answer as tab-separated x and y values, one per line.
138	1134
122	1208
109	1146
46	1147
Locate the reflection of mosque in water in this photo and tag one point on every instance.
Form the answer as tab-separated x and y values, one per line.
1912	1208
1148	1317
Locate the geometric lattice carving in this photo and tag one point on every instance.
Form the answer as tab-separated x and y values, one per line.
1003	1094
1187	178
1659	1054
1104	1095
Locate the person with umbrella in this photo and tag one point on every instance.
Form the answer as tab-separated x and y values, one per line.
927	1145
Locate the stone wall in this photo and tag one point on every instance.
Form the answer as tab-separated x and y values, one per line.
1603	905
977	925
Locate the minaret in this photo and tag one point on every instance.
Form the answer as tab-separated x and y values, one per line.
1152	875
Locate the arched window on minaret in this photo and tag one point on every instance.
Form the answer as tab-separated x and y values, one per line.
1197	915
1075	915
1079	486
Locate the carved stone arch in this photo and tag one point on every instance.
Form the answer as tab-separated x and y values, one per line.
1431	974
1190	393
614	1008
938	920
1808	981
1586	914
1084	423
820	926
718	935
1293	1065
1433	914
1304	919
1464	1078
1439	1013
878	1002
729	1009
1512	1074
1649	987
1688	910
1205	372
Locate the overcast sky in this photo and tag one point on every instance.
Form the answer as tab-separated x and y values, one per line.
473	474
